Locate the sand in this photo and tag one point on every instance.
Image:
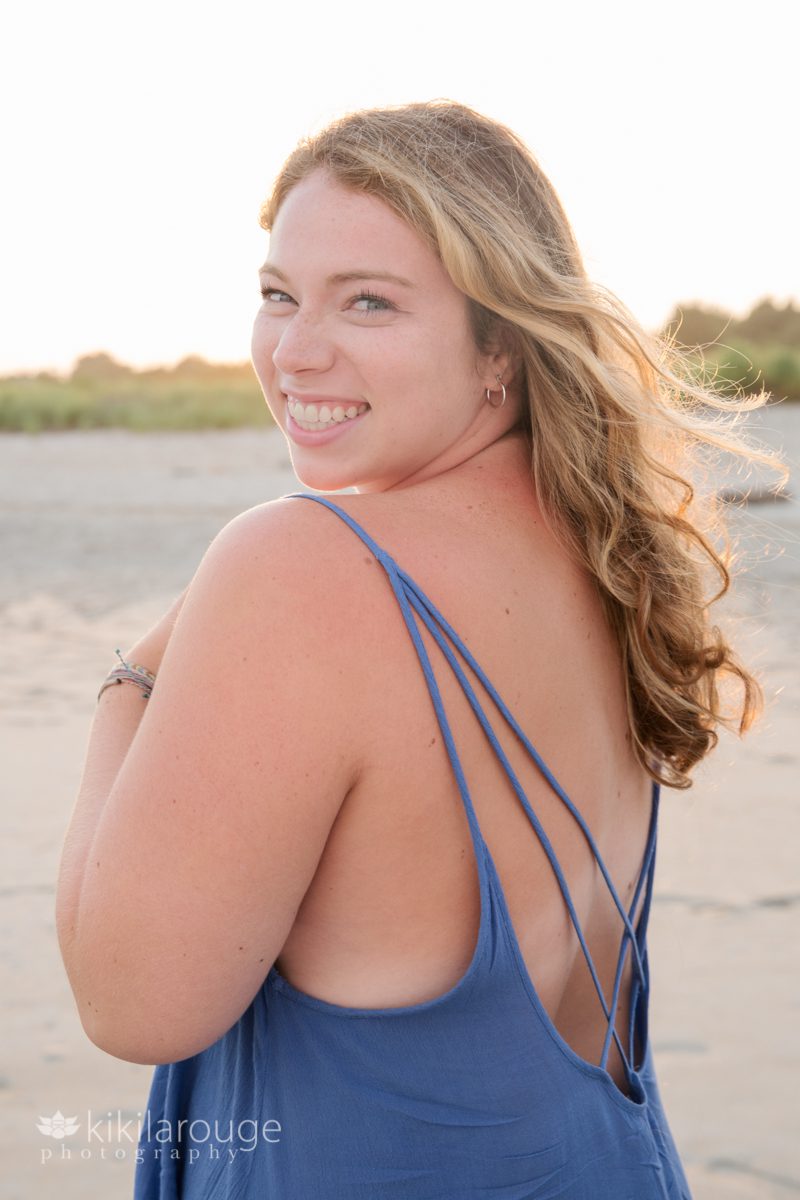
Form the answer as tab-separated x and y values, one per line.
100	531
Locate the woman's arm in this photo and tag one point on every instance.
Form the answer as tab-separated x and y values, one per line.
119	711
204	810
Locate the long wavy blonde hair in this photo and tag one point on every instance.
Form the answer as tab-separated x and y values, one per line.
617	420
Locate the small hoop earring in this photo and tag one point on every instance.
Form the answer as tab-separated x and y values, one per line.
490	390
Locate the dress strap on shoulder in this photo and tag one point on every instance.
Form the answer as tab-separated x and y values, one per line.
381	555
395	576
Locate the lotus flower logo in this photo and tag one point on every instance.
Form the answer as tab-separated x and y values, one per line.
58	1126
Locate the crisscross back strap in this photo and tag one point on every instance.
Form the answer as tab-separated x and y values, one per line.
412	600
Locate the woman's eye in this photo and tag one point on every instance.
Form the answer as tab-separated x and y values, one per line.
369	302
274	296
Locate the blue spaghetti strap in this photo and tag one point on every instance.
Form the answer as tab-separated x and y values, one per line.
412	599
639	984
628	935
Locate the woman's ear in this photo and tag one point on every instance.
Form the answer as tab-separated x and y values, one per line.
500	357
498	351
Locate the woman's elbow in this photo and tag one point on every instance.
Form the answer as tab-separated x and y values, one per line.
118	1025
134	1041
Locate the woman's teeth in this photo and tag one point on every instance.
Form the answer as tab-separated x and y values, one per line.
316	417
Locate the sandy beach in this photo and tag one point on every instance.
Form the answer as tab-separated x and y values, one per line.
100	531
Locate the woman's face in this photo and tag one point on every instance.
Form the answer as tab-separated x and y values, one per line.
364	349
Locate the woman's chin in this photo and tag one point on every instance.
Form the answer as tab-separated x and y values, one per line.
321	479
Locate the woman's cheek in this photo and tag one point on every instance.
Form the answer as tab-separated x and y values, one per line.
262	347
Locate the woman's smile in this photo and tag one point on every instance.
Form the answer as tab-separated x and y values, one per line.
323	410
321	420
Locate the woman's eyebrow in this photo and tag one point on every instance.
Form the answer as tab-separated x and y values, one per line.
352	276
344	276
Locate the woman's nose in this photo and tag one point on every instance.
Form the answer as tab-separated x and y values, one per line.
302	346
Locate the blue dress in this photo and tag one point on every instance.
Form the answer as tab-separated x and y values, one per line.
472	1094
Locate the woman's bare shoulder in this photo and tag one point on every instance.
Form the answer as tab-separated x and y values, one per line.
250	743
295	540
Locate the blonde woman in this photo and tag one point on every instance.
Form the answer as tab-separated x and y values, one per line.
364	860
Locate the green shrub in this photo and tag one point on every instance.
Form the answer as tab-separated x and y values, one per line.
751	367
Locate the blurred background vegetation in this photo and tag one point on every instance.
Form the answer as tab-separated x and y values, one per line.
762	349
101	392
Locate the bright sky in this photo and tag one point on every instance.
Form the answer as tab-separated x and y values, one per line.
140	139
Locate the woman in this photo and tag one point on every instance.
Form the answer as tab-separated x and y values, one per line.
371	950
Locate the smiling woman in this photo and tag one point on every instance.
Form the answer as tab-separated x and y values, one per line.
323	878
403	346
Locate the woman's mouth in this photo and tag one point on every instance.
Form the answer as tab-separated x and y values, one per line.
318	416
318	421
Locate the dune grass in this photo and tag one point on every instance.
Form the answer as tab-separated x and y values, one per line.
35	404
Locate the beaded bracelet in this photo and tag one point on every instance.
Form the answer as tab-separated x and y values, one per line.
129	673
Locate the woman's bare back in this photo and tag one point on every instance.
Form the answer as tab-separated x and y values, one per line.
392	914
